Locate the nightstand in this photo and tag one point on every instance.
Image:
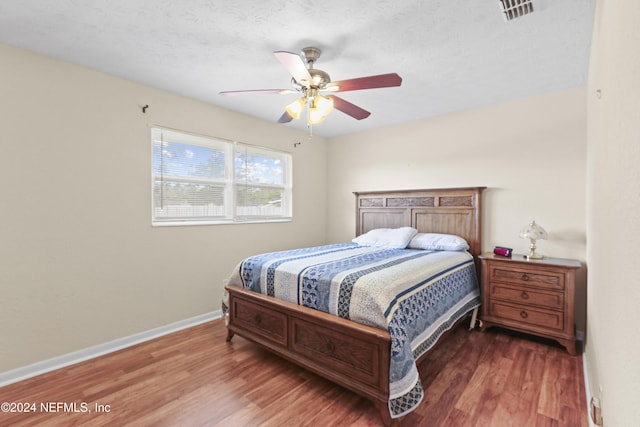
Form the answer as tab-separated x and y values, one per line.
536	297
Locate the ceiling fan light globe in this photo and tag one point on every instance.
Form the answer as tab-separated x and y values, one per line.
295	108
324	104
316	116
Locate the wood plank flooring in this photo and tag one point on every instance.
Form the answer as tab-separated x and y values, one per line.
194	378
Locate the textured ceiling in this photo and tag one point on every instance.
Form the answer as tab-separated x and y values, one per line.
453	55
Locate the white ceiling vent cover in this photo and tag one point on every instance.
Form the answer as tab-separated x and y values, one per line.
512	9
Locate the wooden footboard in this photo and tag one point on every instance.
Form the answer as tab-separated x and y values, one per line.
352	355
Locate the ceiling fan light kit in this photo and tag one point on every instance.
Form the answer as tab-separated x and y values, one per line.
319	108
312	82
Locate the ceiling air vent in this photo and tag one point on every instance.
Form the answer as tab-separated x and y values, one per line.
512	9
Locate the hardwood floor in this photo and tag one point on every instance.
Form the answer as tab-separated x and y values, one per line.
194	378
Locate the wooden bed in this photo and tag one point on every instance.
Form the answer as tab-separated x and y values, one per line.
352	355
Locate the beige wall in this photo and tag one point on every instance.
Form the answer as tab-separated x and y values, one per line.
613	226
530	154
80	264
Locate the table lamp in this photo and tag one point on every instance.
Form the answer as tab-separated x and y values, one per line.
533	232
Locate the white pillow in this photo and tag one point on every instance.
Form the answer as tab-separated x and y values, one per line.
438	242
392	238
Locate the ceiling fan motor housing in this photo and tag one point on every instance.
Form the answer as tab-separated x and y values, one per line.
319	78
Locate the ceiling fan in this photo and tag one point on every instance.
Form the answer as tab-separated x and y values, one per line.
313	83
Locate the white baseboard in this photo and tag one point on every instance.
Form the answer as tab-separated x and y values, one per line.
587	387
585	374
19	374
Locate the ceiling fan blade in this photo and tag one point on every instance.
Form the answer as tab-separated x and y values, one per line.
371	82
285	118
348	108
258	92
295	65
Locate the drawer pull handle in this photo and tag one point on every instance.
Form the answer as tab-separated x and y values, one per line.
258	319
331	347
525	277
524	314
524	295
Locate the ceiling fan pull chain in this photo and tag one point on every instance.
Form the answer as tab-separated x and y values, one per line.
309	124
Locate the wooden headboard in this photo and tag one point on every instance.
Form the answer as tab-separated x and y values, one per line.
444	210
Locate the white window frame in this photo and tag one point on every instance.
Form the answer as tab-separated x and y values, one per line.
233	214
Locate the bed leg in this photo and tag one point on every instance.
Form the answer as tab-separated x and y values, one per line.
229	334
474	319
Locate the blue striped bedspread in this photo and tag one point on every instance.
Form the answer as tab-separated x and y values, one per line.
416	295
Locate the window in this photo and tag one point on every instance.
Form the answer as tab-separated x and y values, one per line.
203	180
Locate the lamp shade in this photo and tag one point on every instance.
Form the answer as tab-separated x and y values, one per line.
533	231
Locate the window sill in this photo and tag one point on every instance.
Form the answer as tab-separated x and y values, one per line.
221	222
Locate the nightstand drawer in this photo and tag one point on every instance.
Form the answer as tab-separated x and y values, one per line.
539	278
528	315
525	295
